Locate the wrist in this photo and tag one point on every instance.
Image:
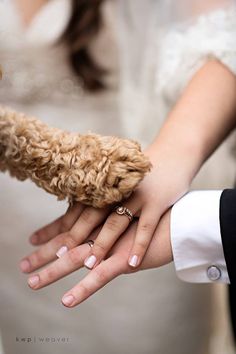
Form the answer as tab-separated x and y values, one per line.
181	162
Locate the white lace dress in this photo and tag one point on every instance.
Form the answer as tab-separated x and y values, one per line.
149	312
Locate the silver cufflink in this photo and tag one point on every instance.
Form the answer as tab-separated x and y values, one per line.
213	273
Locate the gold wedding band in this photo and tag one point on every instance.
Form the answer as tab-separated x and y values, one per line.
90	243
122	210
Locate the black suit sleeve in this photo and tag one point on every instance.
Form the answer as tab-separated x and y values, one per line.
228	230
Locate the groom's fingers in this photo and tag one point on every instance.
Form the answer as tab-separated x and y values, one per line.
49	251
95	280
58	226
71	261
87	222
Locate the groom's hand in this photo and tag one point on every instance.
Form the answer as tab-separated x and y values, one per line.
158	254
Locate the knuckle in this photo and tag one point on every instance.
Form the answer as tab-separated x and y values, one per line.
100	247
101	275
74	257
36	259
65	225
84	291
42	234
141	244
146	227
112	223
50	273
69	239
86	216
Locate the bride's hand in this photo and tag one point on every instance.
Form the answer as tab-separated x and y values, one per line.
158	254
189	135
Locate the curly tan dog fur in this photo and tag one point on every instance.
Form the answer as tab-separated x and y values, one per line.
92	169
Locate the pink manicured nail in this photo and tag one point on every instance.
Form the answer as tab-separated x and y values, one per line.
34	238
33	281
68	300
133	261
90	261
61	251
25	265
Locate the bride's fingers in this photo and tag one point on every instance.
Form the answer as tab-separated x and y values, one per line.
57	246
146	227
112	229
71	261
94	280
58	226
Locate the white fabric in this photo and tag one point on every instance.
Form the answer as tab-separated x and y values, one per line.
163	44
38	81
186	48
55	9
196	238
33	67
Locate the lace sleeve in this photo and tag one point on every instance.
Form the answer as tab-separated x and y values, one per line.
184	49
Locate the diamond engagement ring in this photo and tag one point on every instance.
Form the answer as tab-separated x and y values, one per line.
121	210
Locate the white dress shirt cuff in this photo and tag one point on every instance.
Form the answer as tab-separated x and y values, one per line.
196	238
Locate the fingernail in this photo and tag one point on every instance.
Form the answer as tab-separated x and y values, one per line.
33	281
68	300
133	261
90	261
34	238
25	265
61	251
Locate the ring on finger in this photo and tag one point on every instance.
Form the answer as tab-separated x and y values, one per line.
122	210
90	243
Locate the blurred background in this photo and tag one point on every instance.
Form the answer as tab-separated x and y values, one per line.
106	67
